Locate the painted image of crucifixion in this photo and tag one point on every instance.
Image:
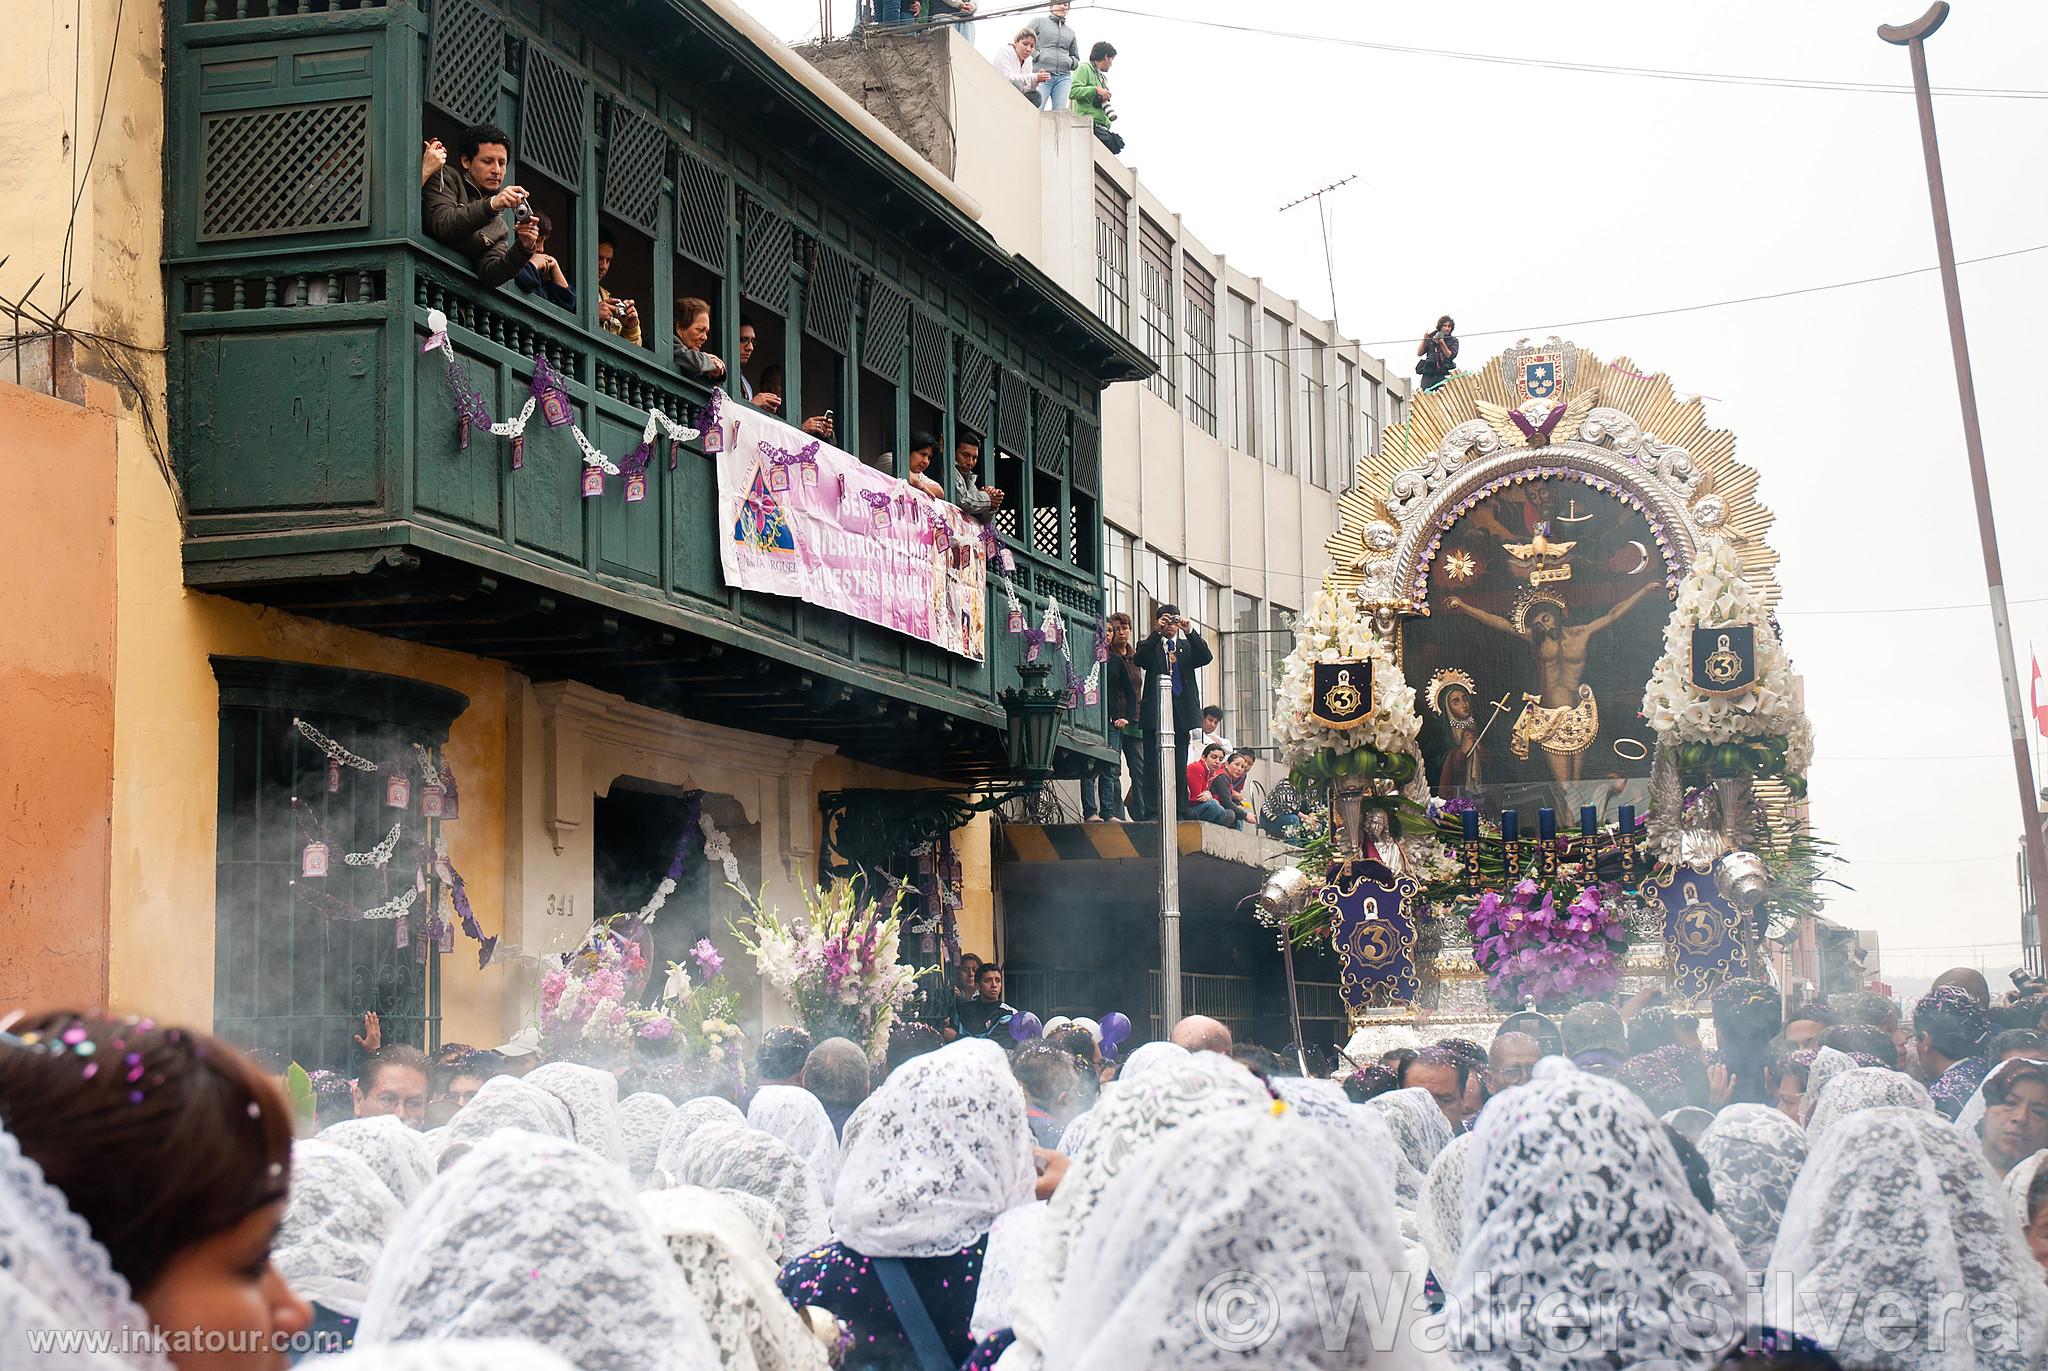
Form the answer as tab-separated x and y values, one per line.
1563	719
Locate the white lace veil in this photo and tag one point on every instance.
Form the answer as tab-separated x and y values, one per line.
592	1099
643	1119
1011	1241
2020	1180
1828	1063
1440	1214
1370	1126
767	1220
471	1354
794	1115
397	1154
1227	1243
1418	1125
55	1277
1078	1126
722	1156
532	1236
1754	1154
335	1226
1576	1201
690	1116
1896	1204
1866	1087
1972	1115
945	1147
1130	1116
504	1102
1150	1057
720	1255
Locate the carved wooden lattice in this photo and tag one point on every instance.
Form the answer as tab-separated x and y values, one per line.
977	374
466	60
702	202
1014	413
928	343
881	343
1049	438
244	194
828	306
552	125
766	240
1087	456
636	154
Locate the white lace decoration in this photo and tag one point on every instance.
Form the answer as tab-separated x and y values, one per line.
2020	1180
766	1219
377	856
944	1148
592	1099
532	1236
1753	1155
643	1119
1898	1203
794	1115
334	751
591	456
1173	1092
1576	1202
1149	1058
722	1156
396	1155
1867	1087
505	1102
1417	1124
721	1257
1278	1212
1828	1063
429	773
690	1116
335	1226
396	906
1440	1214
1370	1126
718	848
1971	1119
55	1278
1011	1241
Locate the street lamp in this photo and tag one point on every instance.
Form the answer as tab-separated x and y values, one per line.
1035	712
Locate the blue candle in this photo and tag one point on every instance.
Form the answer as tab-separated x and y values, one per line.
1510	827
1471	818
1589	821
1546	824
1628	818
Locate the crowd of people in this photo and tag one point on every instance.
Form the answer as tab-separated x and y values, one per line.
1598	1191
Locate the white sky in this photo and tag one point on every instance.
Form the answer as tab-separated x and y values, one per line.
1518	198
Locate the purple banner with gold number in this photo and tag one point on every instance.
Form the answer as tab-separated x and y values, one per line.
1373	931
1702	932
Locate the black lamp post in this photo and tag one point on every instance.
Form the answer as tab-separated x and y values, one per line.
1035	712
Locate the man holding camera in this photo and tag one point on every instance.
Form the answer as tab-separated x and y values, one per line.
1175	650
462	210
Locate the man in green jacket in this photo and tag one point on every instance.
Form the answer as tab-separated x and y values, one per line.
1091	96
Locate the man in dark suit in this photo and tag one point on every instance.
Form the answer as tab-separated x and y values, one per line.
463	209
1174	649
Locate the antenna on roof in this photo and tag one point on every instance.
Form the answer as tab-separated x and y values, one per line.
1329	266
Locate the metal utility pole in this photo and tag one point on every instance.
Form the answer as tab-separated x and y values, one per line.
1169	855
1329	264
1913	37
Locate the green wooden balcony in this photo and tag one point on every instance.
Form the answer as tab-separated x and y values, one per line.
318	448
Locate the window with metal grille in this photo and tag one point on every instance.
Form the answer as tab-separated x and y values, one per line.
1112	254
929	341
1315	410
1276	398
295	967
1155	297
1245	687
1045	518
1198	334
1243	372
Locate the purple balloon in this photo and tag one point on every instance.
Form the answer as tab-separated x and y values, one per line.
1025	1027
1115	1028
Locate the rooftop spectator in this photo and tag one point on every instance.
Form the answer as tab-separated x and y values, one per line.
923	447
1200	802
1174	649
693	335
613	314
1058	55
461	208
975	500
958	13
892	13
1211	731
1226	788
542	275
1091	96
1124	685
1438	352
1014	61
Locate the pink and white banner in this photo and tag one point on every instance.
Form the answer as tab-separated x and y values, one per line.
799	517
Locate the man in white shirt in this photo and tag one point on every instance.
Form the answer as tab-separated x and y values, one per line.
1211	731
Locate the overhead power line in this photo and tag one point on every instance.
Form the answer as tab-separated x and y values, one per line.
1716	78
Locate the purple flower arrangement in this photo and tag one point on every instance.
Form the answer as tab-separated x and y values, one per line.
1534	951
